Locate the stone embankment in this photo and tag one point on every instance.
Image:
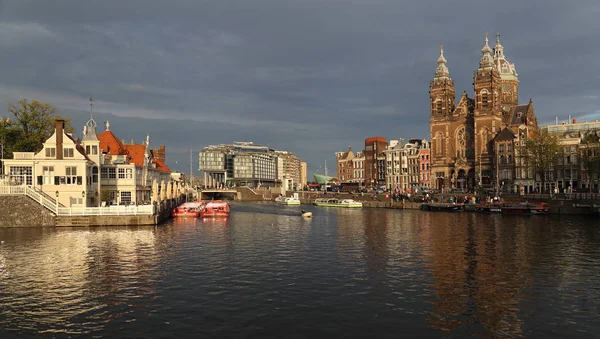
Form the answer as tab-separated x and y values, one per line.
22	211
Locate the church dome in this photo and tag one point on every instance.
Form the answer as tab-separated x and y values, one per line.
505	68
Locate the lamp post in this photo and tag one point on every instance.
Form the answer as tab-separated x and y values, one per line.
56	194
83	197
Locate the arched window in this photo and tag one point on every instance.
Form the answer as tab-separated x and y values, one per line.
484	99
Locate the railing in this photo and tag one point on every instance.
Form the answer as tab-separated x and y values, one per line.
43	199
49	203
111	210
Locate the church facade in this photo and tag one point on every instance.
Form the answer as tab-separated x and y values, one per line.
462	133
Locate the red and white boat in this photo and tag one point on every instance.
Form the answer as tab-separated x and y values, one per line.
216	209
188	210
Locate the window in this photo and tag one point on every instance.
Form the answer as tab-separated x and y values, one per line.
126	198
48	174
95	174
509	147
501	148
438	105
71	175
68	152
20	175
94	150
484	99
121	173
50	152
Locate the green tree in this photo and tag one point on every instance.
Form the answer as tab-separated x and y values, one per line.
590	153
543	153
32	125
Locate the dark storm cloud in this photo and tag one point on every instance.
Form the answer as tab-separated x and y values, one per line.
308	76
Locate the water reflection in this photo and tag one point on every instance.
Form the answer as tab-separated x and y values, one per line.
67	281
344	273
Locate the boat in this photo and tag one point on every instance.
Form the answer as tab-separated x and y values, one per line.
190	209
334	202
540	208
306	214
441	206
515	208
488	208
293	200
216	209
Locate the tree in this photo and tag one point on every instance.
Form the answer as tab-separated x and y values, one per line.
542	153
33	124
590	153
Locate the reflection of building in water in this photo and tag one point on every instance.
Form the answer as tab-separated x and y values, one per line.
88	269
478	267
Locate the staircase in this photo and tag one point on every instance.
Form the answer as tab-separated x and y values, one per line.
42	198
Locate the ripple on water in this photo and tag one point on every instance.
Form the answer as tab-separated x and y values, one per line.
266	272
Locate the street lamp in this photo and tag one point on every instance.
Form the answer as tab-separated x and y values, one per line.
56	193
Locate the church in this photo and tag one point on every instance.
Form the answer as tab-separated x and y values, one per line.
462	133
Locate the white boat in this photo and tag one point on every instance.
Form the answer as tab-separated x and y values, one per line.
293	200
334	202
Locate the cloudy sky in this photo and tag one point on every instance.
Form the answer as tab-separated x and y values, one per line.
309	76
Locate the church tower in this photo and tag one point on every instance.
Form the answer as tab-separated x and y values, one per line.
441	91
488	91
509	77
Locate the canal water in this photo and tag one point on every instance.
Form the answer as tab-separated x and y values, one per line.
268	273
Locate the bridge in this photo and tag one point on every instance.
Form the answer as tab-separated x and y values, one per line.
218	194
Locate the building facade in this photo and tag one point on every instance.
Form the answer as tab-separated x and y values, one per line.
375	161
462	134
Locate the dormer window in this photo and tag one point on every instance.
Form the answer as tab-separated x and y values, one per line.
50	152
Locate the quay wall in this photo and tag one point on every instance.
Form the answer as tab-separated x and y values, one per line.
22	211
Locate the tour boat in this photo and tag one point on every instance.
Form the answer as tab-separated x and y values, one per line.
488	208
216	209
293	200
334	202
188	210
441	206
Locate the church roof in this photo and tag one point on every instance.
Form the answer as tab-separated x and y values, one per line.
505	135
518	115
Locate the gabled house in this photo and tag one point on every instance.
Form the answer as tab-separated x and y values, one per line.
62	170
129	170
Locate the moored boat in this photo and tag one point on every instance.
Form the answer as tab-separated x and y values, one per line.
190	209
216	209
293	200
334	202
444	207
489	208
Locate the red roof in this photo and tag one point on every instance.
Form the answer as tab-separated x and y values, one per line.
111	145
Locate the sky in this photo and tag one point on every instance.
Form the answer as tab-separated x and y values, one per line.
307	76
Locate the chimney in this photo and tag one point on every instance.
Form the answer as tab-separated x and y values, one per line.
160	153
60	126
574	120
